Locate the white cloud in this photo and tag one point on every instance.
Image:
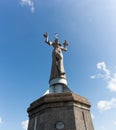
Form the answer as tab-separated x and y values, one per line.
0	120
92	116
107	75
112	83
97	76
25	124
114	122
29	3
102	128
106	105
102	66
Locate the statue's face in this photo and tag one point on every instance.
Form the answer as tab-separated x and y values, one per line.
56	40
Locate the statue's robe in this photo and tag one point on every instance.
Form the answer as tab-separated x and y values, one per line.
57	69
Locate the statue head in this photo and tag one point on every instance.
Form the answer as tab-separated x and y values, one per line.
56	40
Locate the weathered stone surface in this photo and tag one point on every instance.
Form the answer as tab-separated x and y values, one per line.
69	108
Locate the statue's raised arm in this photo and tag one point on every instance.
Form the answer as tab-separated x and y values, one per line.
47	38
65	44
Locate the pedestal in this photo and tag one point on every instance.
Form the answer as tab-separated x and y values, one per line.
58	85
60	111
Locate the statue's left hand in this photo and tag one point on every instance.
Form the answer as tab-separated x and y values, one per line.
65	43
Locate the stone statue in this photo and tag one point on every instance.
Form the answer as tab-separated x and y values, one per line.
57	70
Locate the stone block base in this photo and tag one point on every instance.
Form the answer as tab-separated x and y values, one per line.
60	111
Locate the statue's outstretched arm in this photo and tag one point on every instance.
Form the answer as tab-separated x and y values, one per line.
65	46
47	38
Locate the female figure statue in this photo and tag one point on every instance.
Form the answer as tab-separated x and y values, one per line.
57	70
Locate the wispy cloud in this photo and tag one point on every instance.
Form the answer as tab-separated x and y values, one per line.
104	71
29	3
92	116
107	75
112	83
114	123
1	120
102	66
24	124
102	128
104	105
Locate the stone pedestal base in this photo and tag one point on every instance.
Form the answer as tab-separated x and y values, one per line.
60	111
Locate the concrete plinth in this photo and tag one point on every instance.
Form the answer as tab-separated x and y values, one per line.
60	111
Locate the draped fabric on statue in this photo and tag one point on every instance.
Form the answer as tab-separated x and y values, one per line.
57	69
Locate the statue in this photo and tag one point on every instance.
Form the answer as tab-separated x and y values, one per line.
57	70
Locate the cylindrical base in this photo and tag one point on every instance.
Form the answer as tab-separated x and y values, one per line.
58	85
58	81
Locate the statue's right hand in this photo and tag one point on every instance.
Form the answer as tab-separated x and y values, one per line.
45	35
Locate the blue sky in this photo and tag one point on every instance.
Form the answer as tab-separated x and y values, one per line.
25	60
